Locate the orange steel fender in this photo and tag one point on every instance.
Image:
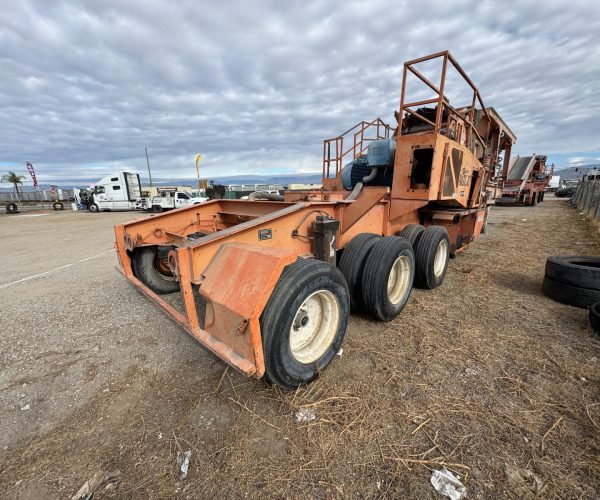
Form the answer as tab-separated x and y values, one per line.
236	286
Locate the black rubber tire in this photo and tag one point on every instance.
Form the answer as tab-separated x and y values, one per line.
533	201
582	271
57	205
352	264
571	295
157	209
12	208
93	208
146	269
297	282
425	252
412	232
595	317
375	276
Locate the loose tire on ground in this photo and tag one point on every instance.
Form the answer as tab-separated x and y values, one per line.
595	317
304	322
93	208
57	205
388	277
352	264
11	208
571	295
412	232
431	255
576	270
155	274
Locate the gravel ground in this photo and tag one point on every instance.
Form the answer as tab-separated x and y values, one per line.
73	323
484	375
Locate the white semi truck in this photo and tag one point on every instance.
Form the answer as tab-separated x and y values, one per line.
117	192
122	191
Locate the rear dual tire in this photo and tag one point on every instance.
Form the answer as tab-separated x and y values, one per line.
387	278
352	264
412	232
432	253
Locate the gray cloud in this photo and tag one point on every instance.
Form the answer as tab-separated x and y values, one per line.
256	86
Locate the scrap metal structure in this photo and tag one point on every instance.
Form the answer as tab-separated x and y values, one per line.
267	285
526	181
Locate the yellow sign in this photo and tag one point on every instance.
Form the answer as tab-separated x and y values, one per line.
198	158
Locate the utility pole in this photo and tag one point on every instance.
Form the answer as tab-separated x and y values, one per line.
148	162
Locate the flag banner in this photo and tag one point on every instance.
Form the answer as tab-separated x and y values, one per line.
198	158
32	173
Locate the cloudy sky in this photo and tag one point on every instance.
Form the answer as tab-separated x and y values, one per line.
255	86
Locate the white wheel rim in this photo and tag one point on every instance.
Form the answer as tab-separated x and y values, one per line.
314	327
441	256
399	279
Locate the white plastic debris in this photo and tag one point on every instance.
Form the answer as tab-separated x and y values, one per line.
470	371
340	352
305	415
183	461
26	407
447	484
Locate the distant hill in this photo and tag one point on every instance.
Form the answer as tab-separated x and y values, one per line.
568	174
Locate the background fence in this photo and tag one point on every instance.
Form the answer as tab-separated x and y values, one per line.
587	199
45	195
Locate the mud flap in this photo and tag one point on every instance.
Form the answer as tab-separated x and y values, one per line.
236	286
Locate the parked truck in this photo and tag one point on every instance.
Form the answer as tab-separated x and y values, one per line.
526	182
268	285
168	200
116	192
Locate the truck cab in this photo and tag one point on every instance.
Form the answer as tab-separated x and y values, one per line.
116	192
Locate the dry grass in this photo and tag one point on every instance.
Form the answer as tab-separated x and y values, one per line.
481	374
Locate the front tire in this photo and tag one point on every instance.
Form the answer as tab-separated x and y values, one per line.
304	322
94	208
153	272
432	253
388	276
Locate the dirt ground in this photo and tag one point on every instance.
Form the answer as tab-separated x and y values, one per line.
485	376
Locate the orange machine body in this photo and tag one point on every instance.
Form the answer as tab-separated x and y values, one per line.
229	254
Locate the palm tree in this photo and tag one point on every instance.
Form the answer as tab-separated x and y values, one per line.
14	179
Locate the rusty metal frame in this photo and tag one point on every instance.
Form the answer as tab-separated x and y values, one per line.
357	147
441	100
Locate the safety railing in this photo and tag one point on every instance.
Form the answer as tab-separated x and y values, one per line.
441	100
351	144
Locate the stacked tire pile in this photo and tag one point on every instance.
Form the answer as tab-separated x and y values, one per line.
575	280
